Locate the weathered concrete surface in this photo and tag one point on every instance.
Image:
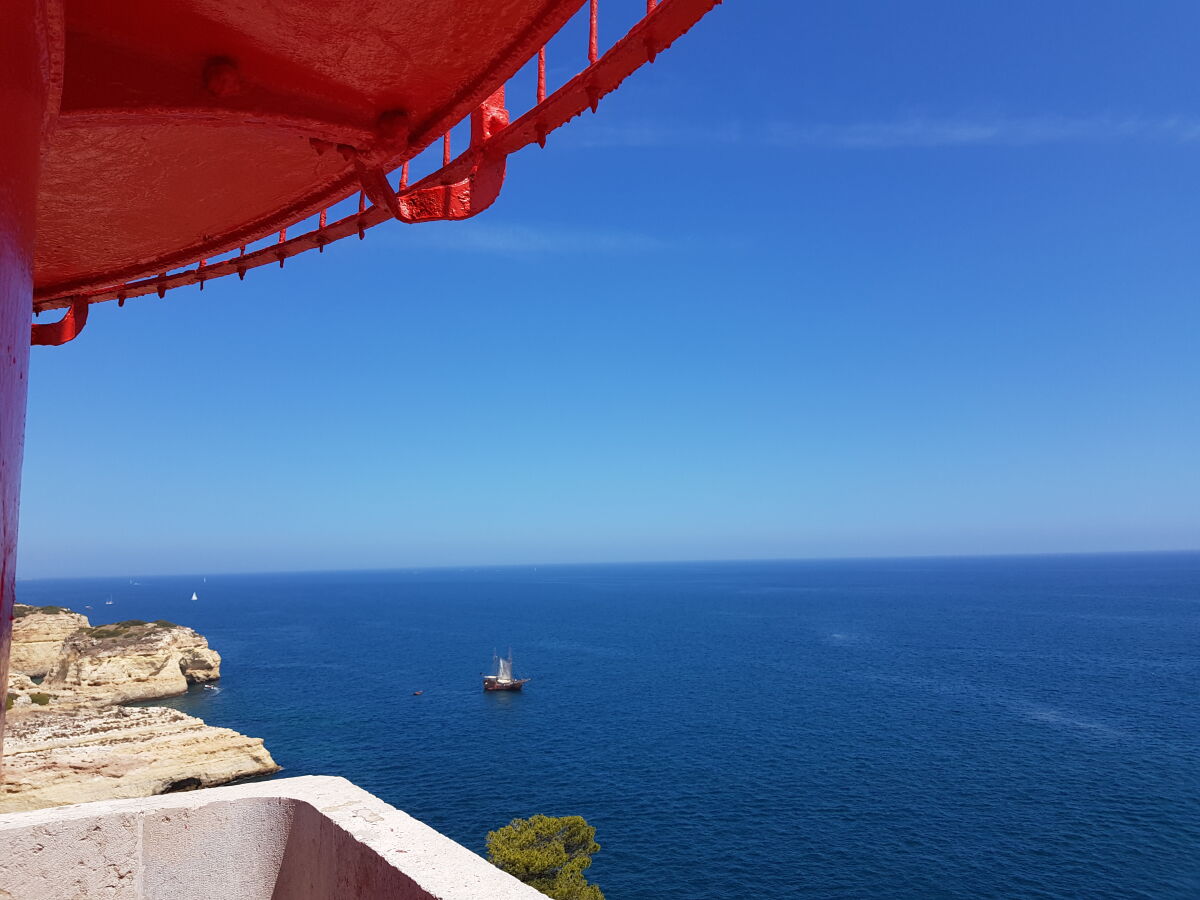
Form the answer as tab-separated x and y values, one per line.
70	859
38	635
73	754
311	838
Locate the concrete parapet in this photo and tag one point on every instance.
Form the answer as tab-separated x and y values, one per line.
309	838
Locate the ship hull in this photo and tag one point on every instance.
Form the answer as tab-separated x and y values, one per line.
494	684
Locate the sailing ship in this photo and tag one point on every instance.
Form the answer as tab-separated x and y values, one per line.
194	597
503	679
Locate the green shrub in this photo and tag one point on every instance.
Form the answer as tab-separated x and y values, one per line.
39	698
21	610
115	630
547	853
124	629
8	701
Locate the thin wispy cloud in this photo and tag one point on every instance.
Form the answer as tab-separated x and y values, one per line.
909	132
1012	132
507	239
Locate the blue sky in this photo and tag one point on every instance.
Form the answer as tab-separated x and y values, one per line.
829	279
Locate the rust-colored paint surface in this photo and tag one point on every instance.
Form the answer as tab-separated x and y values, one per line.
189	130
65	329
26	84
185	127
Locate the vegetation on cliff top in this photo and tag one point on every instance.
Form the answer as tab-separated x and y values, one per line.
127	628
20	610
116	630
548	853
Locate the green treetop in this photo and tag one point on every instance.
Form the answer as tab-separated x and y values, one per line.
547	853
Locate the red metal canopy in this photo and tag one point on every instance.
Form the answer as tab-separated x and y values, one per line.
189	130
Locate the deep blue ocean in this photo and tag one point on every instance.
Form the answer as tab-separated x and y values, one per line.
1003	727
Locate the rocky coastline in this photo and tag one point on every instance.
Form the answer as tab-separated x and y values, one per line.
69	739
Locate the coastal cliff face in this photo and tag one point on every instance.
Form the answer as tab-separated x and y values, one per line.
73	754
132	661
67	739
38	635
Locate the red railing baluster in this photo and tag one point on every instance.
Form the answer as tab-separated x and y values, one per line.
593	37
541	85
446	149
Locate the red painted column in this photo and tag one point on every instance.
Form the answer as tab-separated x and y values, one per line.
25	50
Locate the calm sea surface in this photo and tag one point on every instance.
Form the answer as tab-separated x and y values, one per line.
923	728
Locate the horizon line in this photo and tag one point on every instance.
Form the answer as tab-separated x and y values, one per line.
658	562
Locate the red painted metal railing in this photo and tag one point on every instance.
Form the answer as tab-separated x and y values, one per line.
462	187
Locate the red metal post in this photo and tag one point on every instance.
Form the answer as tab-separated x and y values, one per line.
24	91
593	33
541	75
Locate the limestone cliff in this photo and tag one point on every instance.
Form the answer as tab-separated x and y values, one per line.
38	635
23	692
131	661
67	740
73	754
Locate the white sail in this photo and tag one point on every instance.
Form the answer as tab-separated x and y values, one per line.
194	597
505	670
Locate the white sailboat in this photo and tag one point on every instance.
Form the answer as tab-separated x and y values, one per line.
194	597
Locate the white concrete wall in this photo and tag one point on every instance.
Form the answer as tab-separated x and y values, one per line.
312	838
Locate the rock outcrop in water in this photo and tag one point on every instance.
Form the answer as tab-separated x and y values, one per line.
132	661
38	635
69	741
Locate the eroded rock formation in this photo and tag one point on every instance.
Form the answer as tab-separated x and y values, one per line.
38	635
132	661
73	754
69	741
